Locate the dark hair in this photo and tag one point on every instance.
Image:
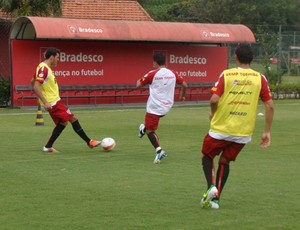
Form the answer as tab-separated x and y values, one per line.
159	58
244	53
51	51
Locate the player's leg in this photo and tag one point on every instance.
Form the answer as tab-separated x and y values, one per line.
222	175
211	147
55	134
151	125
64	115
61	115
208	169
80	132
59	127
229	154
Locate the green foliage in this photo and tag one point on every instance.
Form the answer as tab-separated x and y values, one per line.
268	43
262	17
273	75
291	79
285	90
178	11
253	13
32	7
294	69
89	189
157	2
4	92
164	10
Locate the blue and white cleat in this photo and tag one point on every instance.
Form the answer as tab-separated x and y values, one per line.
159	157
141	130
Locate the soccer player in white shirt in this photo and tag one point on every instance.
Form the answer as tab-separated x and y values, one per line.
162	82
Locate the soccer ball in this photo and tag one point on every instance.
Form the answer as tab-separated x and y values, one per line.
108	143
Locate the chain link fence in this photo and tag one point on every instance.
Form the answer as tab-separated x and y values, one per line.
5	26
277	55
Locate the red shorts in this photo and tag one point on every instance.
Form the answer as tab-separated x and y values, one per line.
60	113
152	121
212	147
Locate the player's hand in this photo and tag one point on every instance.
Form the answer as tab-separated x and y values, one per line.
47	106
210	116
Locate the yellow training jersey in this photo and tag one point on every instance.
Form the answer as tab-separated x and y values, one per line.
49	86
236	112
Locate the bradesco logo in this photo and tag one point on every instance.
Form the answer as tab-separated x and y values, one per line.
78	29
69	57
211	34
80	57
187	60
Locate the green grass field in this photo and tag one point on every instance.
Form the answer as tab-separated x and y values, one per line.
82	188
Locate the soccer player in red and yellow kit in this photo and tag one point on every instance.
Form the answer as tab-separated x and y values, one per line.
232	120
47	90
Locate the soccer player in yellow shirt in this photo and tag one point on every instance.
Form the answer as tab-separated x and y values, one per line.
46	88
233	108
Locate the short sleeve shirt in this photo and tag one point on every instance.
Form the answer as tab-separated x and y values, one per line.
49	86
162	84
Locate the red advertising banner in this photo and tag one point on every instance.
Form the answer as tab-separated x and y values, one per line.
94	62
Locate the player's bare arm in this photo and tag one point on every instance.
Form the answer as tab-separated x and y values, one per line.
183	91
214	100
36	88
269	113
138	83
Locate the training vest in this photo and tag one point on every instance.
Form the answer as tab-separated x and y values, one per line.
49	86
236	112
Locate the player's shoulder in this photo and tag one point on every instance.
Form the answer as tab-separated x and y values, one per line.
151	72
43	65
172	71
230	70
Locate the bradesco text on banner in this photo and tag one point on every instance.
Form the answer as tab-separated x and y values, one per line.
113	64
193	61
79	73
80	58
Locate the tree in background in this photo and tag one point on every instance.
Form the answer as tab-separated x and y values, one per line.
249	12
264	18
31	7
166	10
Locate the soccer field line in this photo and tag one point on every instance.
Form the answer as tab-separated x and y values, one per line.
61	156
77	111
44	159
126	110
95	111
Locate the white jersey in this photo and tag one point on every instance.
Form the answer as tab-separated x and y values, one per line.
162	84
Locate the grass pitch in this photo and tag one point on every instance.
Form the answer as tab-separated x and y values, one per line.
82	188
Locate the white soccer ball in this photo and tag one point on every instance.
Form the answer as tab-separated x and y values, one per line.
108	143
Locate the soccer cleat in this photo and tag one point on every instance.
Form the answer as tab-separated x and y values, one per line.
211	193
141	130
49	150
159	157
94	143
214	204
